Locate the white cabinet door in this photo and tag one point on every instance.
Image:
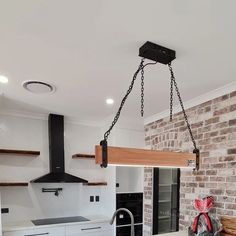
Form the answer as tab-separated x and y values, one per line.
56	231
13	233
90	229
104	233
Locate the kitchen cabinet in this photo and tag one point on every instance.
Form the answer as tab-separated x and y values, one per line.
166	184
0	216
90	229
94	233
96	229
134	203
54	231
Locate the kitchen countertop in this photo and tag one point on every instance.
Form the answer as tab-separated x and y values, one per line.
27	225
180	233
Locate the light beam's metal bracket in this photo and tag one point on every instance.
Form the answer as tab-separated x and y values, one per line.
157	53
197	152
103	143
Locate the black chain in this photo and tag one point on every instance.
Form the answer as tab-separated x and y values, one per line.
142	92
107	133
171	98
173	81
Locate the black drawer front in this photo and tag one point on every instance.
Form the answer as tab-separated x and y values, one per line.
134	203
125	230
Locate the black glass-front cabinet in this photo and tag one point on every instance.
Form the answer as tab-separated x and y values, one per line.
166	200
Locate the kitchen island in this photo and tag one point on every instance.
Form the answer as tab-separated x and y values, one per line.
96	226
180	233
27	225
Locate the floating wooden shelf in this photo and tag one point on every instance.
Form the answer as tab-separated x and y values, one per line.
13	184
83	156
19	152
96	184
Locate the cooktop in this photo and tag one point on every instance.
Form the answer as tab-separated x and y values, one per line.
61	220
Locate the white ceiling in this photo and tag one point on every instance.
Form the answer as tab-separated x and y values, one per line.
89	50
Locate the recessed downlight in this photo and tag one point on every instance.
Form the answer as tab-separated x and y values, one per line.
3	79
38	87
109	101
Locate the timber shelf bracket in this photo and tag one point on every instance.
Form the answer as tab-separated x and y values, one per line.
127	156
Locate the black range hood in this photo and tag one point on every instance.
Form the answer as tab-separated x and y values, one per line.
56	154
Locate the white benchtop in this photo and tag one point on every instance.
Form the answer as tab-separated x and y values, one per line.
26	225
180	233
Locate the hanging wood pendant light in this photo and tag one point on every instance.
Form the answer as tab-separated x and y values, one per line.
143	157
105	154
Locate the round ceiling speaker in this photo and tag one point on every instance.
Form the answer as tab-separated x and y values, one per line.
38	87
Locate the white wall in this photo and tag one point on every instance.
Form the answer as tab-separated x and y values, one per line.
130	179
125	137
26	203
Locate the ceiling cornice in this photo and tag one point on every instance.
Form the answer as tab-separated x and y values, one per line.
193	102
43	116
124	123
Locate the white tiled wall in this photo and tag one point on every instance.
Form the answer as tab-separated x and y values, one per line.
27	203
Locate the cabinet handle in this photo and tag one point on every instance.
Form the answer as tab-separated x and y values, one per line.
36	234
91	228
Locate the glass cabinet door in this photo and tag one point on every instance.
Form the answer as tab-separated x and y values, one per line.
0	216
165	200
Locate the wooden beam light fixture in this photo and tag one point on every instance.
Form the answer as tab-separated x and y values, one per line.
105	154
143	157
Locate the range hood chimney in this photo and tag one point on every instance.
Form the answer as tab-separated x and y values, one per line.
56	154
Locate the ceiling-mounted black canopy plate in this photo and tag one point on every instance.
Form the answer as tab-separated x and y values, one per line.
156	53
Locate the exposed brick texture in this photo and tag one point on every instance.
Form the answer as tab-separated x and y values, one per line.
214	127
148	173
